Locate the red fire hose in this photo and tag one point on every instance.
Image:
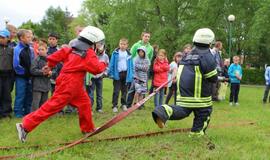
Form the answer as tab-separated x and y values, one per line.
107	125
142	135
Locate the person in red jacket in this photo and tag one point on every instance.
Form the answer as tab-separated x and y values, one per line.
161	69
77	60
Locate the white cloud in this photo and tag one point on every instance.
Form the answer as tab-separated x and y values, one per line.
19	11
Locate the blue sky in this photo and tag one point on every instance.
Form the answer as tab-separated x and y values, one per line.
19	11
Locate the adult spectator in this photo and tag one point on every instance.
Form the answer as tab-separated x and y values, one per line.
13	32
216	52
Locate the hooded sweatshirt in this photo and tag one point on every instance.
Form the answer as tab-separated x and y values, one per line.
141	66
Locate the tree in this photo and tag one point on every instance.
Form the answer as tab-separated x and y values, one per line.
56	20
35	27
172	23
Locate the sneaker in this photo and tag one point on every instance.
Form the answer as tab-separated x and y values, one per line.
124	108
237	104
21	132
231	103
115	110
160	123
100	111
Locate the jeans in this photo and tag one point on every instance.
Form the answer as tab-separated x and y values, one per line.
130	94
5	95
172	91
97	83
215	88
117	86
235	87
266	92
158	100
23	97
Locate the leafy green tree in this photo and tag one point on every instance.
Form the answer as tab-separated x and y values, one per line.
55	20
172	23
35	27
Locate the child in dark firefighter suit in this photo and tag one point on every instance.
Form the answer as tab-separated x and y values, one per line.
195	74
78	60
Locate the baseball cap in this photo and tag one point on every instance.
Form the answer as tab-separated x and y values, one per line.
4	33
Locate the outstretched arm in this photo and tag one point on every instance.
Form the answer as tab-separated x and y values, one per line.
93	65
58	56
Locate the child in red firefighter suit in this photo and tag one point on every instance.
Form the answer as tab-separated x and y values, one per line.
78	60
195	74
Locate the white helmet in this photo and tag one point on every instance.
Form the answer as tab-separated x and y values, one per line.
93	34
204	36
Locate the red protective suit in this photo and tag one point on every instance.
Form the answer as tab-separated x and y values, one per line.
69	89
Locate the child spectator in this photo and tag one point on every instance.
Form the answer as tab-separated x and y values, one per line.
6	74
35	46
145	38
97	81
141	67
121	71
41	82
23	57
172	74
267	84
161	69
187	49
224	85
53	43
53	47
151	72
88	83
235	74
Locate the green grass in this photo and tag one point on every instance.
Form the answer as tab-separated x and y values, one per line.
236	142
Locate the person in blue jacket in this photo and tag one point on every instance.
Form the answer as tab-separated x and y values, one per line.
121	71
267	84
22	59
235	75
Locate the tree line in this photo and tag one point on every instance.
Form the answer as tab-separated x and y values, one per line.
172	23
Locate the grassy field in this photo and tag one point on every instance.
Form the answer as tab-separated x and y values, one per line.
236	142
